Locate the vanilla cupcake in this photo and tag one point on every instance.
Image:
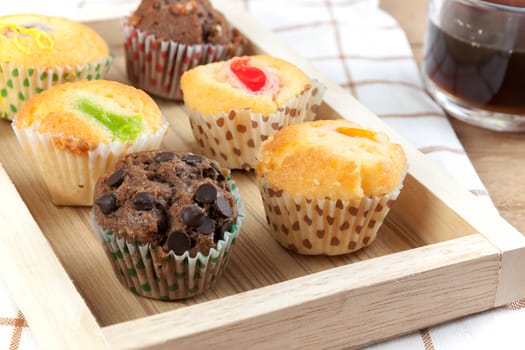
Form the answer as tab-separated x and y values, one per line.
235	105
168	221
37	52
328	185
163	39
75	132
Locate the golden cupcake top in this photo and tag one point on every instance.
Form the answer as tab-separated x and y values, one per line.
80	115
40	41
331	158
261	84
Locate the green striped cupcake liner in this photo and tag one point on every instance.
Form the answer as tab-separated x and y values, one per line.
141	269
18	83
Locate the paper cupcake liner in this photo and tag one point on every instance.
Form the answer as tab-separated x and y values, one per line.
71	177
156	65
18	83
234	138
324	226
149	272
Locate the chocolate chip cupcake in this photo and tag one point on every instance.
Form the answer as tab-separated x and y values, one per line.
169	221
163	39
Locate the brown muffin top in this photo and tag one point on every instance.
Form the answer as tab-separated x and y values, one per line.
178	201
185	21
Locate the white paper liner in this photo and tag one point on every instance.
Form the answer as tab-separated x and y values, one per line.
71	177
18	83
140	268
324	226
234	138
156	65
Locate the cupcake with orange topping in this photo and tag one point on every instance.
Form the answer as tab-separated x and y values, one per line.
37	52
328	185
234	105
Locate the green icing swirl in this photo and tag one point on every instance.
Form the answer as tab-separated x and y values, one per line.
123	127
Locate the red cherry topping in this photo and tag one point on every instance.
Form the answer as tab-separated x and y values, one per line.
252	77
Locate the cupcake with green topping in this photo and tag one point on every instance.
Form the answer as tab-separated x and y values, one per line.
74	133
37	52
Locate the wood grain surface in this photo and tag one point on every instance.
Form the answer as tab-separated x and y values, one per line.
499	158
468	260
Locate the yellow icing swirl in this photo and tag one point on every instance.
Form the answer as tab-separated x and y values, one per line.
42	39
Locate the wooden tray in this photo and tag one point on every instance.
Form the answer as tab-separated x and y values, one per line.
441	254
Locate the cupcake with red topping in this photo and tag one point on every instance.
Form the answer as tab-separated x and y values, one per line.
234	105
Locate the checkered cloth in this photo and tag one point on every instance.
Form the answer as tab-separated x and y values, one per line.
362	48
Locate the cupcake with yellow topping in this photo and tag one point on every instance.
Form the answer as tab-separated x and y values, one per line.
75	132
328	185
37	52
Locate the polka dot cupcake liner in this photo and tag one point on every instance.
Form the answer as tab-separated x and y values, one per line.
149	272
234	138
71	177
18	84
324	226
156	65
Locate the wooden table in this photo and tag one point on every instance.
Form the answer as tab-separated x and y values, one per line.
499	158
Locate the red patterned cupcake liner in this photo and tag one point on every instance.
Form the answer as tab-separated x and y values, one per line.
156	65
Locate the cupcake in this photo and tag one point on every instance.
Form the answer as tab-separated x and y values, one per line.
75	132
168	222
163	39
37	52
328	185
235	105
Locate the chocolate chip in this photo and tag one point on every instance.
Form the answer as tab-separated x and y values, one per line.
206	193
220	176
107	203
115	179
192	158
224	207
193	216
143	201
207	226
164	157
219	232
179	242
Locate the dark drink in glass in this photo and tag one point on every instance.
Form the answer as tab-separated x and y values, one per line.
474	61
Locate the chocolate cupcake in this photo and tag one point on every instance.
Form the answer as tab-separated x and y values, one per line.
163	39
169	221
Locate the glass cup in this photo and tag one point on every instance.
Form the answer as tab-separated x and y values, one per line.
474	61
